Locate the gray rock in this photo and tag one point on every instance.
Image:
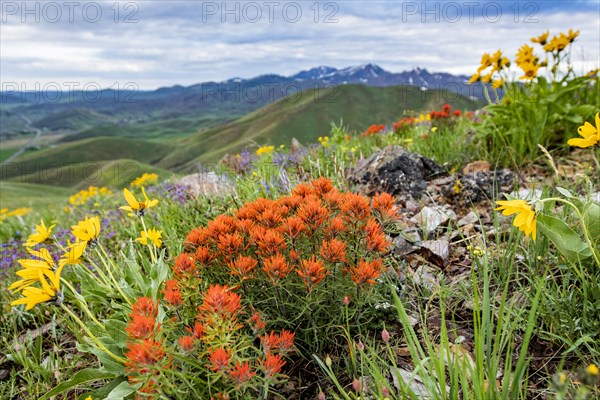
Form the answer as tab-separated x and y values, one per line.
402	246
481	185
394	170
425	276
470	218
527	194
207	183
429	218
436	251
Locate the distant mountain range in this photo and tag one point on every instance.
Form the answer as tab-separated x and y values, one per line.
201	105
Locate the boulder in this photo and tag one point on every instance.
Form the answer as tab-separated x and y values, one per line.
395	170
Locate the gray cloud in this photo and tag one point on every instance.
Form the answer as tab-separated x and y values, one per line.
178	43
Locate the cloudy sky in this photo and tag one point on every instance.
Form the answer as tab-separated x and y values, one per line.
163	43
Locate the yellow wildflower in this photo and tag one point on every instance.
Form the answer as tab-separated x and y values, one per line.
529	70
73	254
592	370
87	230
541	39
324	140
264	150
19	212
137	207
145	180
589	133
475	78
525	220
558	43
31	267
525	56
571	36
40	235
50	289
486	78
153	235
84	195
593	73
457	186
498	83
562	378
486	61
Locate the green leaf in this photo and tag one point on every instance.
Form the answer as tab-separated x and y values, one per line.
107	361
122	390
591	219
584	109
102	392
564	192
566	240
572	198
83	376
116	330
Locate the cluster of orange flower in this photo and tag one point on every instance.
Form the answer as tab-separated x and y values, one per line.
445	113
212	337
145	354
373	129
305	236
405	123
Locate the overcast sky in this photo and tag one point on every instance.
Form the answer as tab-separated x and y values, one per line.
163	43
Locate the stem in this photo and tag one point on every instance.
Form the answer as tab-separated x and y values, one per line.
82	304
91	335
595	160
586	233
110	273
97	269
152	249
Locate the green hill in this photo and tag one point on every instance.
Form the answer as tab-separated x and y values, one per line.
79	118
73	163
16	194
161	130
308	116
81	175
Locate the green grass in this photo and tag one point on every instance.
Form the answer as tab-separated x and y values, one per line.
5	153
83	174
15	195
73	120
73	163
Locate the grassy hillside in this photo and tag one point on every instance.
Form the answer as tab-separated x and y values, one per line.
73	163
308	116
73	120
81	175
162	130
16	194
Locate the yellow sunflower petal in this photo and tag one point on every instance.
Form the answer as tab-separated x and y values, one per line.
130	199
587	130
583	143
